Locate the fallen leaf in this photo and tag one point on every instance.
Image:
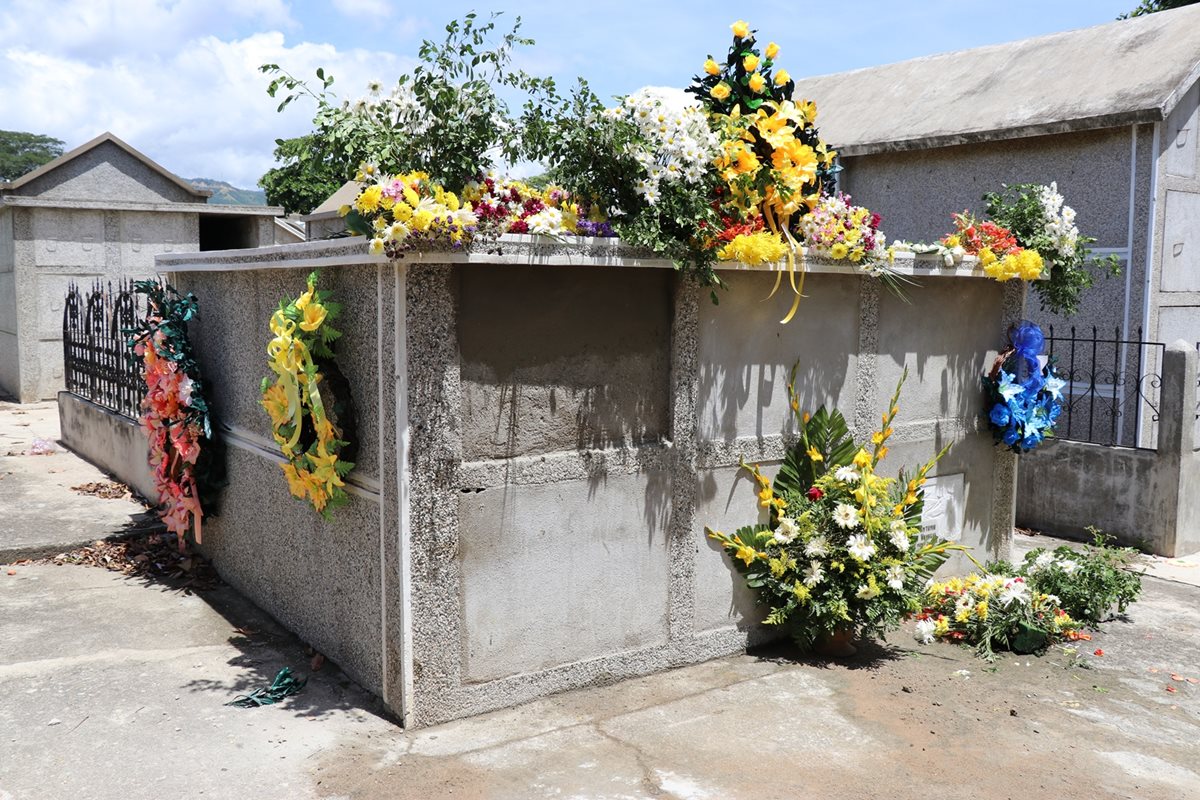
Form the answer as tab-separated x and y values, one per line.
1172	689
1154	670
12	572
1175	677
1192	680
1098	652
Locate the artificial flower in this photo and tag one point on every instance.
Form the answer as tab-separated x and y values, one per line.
740	29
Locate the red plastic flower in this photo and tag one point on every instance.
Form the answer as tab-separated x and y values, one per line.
814	494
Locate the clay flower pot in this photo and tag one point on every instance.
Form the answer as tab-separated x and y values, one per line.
838	644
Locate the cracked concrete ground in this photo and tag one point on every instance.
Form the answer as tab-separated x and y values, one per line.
114	688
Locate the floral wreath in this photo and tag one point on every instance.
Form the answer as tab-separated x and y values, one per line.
175	411
1024	398
313	432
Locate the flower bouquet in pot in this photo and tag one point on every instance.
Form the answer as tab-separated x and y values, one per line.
1024	398
840	553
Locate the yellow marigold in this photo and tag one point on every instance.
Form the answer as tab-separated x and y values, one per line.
721	91
1030	265
772	50
757	83
711	67
422	220
740	29
750	63
754	248
368	201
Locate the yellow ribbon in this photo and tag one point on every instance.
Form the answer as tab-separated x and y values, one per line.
769	217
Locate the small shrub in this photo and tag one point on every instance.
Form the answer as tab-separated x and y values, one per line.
1090	583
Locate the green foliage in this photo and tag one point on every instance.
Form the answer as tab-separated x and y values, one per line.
1152	6
309	171
1090	583
22	152
1019	209
446	117
590	154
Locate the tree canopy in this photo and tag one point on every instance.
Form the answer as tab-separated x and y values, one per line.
309	170
21	152
1150	6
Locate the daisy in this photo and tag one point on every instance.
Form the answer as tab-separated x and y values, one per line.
1014	591
860	547
895	577
846	474
816	546
787	530
845	515
867	592
814	574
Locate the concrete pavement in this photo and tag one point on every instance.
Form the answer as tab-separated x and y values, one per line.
40	514
114	688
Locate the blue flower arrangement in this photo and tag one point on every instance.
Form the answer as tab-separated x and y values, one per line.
1024	398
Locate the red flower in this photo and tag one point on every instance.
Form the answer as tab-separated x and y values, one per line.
1098	652
814	494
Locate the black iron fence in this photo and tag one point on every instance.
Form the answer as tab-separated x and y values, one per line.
1111	396
95	355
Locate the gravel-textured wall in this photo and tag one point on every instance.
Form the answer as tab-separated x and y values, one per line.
569	429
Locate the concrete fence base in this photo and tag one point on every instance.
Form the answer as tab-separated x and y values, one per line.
1146	498
114	443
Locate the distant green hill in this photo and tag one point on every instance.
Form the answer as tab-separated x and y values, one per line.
227	194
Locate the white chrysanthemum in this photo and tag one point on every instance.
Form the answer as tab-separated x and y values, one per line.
1015	591
1068	565
787	530
816	546
845	515
814	574
375	248
898	532
1044	561
860	547
964	604
895	577
548	222
846	474
924	632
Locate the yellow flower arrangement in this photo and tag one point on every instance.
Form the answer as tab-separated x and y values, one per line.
840	547
300	424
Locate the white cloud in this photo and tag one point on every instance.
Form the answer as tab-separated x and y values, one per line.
159	77
364	9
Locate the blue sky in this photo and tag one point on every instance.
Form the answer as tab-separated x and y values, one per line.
178	80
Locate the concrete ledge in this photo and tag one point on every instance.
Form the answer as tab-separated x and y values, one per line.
112	442
523	250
